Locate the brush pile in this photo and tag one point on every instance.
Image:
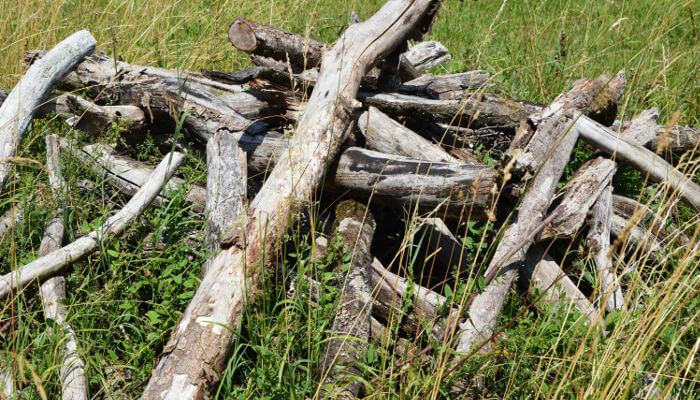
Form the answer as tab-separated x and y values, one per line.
357	124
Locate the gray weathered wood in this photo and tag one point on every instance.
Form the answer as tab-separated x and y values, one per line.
95	119
226	188
461	189
53	290
544	273
127	174
546	133
351	325
383	134
194	355
445	87
53	262
12	217
18	109
475	110
639	157
598	242
425	55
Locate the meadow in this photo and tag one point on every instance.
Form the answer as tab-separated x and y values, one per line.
124	300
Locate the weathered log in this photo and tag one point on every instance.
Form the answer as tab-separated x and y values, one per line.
226	189
627	231
475	110
445	87
549	133
195	353
269	41
351	325
165	95
598	242
95	119
18	109
677	139
445	249
588	182
425	55
461	189
639	157
579	195
53	262
655	222
127	174
385	135
541	272
53	290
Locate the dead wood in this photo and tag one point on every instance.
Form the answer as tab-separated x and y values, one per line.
95	119
598	242
351	325
53	262
547	139
53	290
540	271
677	139
226	188
425	55
12	217
279	44
460	189
127	174
475	110
641	158
656	222
445	87
18	109
195	353
385	135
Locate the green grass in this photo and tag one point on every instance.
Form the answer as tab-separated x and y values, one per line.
124	301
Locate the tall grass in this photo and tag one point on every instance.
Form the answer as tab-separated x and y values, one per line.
124	301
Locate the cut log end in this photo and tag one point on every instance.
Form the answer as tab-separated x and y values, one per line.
241	35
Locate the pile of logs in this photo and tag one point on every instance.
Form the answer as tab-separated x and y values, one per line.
358	119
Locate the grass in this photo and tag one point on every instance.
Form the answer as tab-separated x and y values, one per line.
124	301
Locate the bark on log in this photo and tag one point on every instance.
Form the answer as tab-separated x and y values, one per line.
639	157
226	189
541	272
677	139
53	290
11	218
475	110
19	107
655	222
461	189
269	41
548	133
129	175
195	353
351	325
53	262
385	135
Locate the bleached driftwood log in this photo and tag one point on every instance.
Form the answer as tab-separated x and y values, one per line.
677	139
547	139
195	353
18	109
656	222
639	157
53	262
351	325
475	110
461	189
129	175
425	55
226	188
385	135
53	290
95	119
